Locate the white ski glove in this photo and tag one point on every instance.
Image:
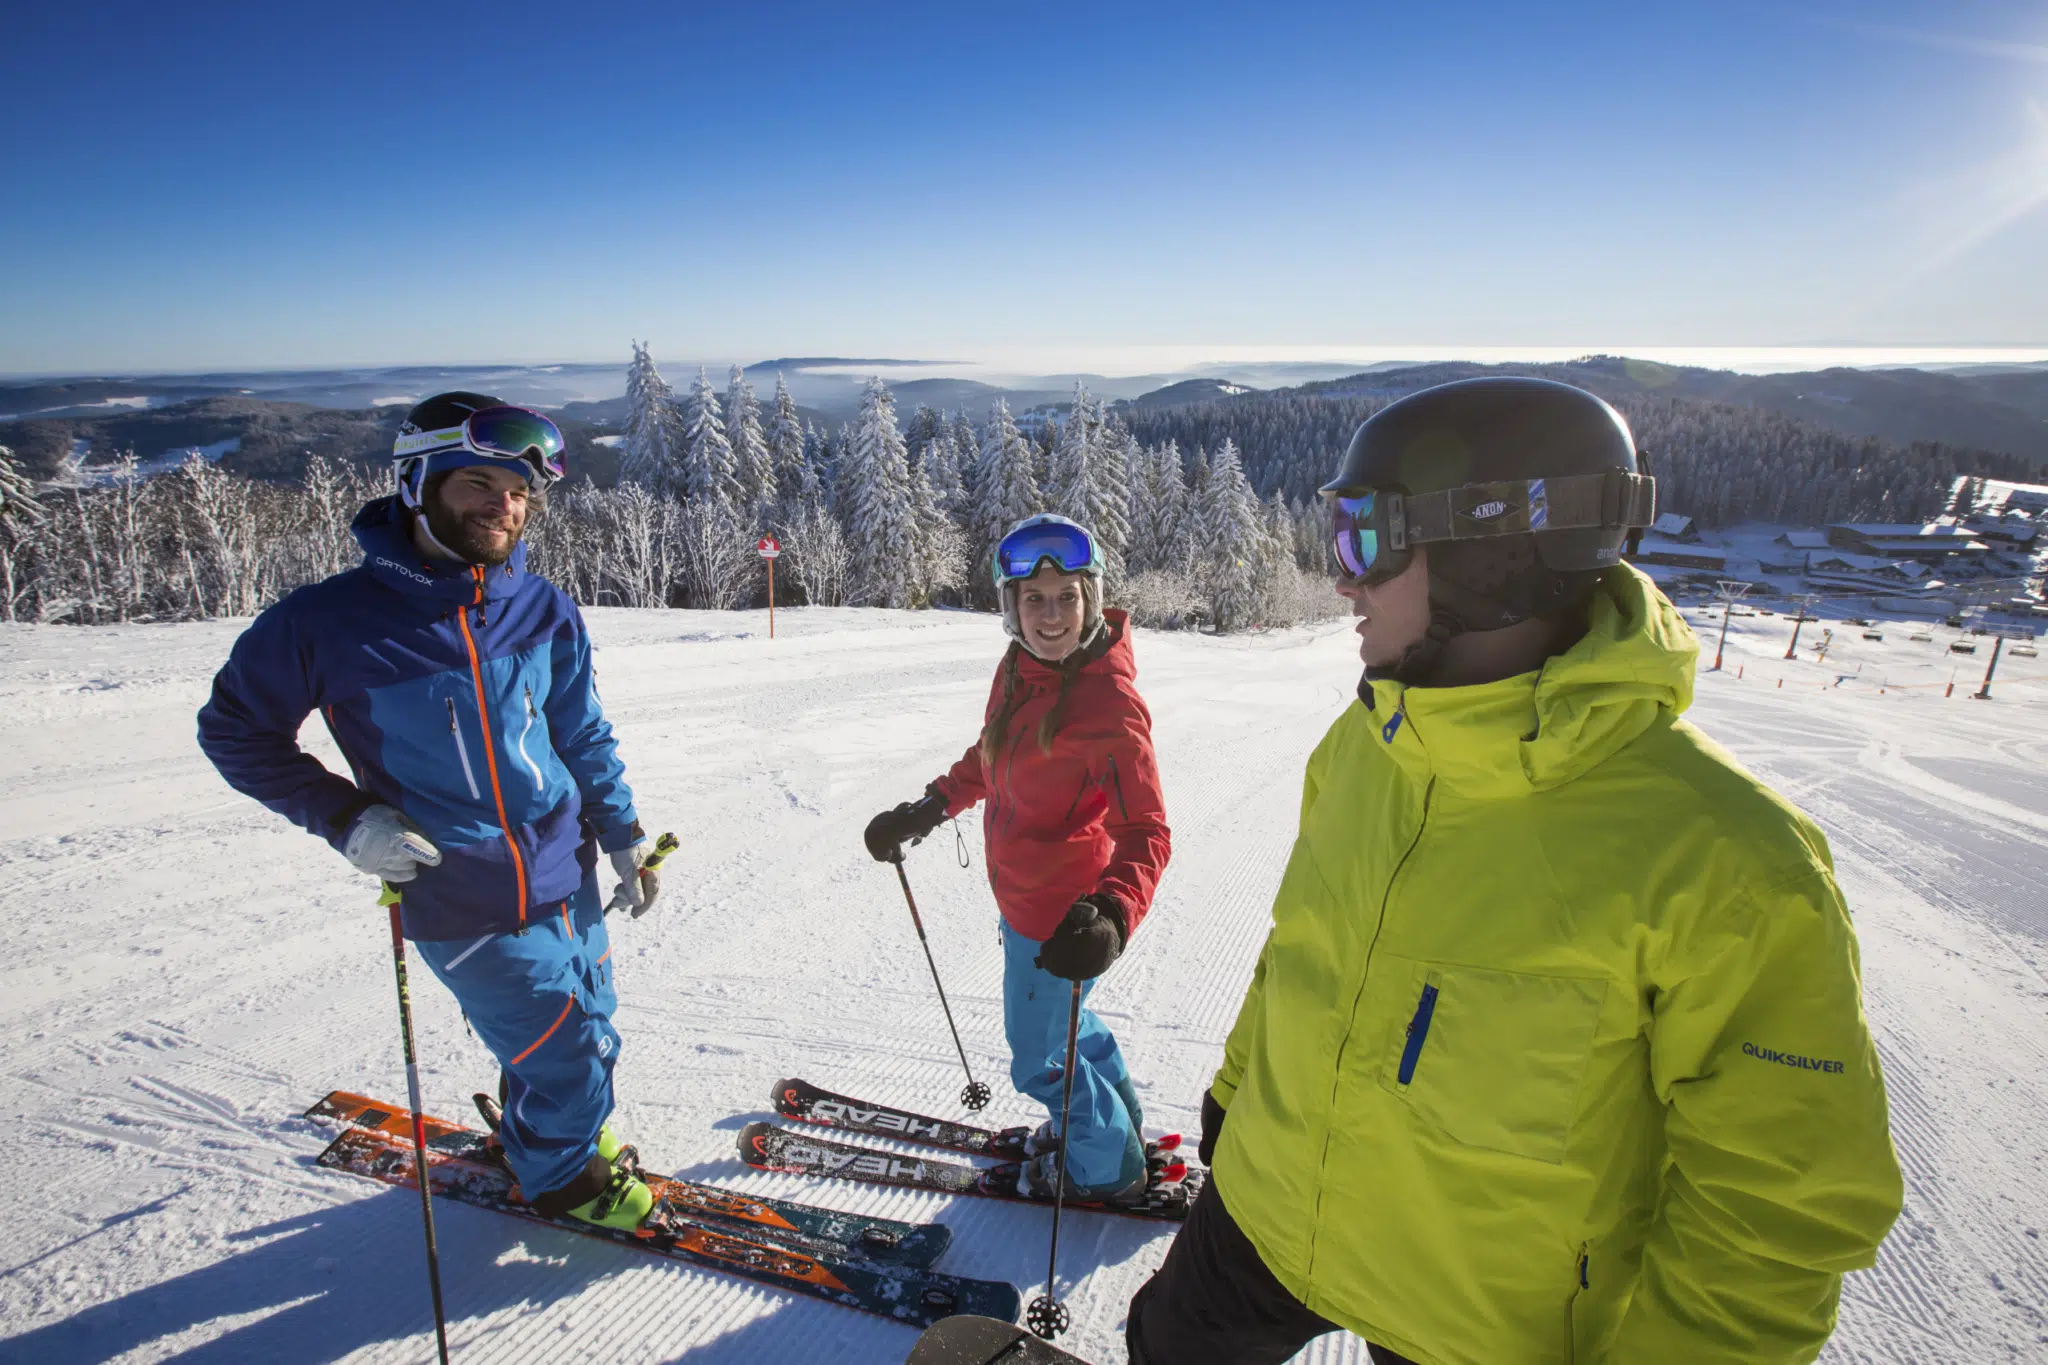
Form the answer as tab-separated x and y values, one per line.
383	843
638	883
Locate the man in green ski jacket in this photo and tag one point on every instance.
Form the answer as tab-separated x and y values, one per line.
1556	1050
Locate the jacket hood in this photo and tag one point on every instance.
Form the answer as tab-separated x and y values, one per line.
1540	730
384	529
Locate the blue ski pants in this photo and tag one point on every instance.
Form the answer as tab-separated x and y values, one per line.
1104	1150
542	1001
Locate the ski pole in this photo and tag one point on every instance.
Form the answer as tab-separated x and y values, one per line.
419	1129
1047	1316
975	1095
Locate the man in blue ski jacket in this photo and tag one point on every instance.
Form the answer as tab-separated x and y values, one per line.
485	780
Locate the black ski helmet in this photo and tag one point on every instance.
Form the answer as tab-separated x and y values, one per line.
1525	491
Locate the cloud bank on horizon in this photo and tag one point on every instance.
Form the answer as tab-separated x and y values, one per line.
377	185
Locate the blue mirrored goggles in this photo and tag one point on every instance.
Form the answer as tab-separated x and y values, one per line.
1069	549
500	433
1355	522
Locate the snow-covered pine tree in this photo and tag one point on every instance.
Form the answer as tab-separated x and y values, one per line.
649	453
1238	546
707	455
1159	529
1084	485
941	545
751	461
921	430
877	504
786	451
820	457
1008	485
967	446
941	464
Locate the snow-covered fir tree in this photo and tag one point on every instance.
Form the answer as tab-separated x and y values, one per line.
650	451
1007	485
1085	486
922	429
967	446
876	502
941	544
751	461
708	470
1159	510
786	451
1238	546
941	464
821	456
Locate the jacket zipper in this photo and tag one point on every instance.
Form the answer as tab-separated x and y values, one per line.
1418	1031
1336	1084
462	752
476	673
539	786
1571	1316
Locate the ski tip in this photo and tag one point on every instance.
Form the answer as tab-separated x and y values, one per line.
1174	1173
1169	1143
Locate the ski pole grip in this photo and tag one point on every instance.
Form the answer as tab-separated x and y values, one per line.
665	845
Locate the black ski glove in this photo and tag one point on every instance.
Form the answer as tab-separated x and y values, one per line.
1087	941
908	823
1212	1129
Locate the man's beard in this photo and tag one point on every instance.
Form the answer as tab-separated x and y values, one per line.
474	545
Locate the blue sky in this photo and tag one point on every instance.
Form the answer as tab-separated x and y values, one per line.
276	185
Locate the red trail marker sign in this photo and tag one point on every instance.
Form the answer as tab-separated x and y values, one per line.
768	547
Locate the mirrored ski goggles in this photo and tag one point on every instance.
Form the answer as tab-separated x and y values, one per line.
500	433
1375	528
1068	547
1356	527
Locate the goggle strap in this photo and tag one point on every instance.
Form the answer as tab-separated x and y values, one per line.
1611	500
421	442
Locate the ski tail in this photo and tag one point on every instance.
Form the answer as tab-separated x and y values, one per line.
880	1239
910	1295
766	1147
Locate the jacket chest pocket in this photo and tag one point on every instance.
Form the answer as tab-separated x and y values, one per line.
1494	1059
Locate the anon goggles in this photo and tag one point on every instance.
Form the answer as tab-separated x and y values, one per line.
1376	528
500	433
1068	547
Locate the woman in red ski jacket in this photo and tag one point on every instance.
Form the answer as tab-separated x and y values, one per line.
1076	839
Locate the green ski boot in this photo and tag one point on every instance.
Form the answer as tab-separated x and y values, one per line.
609	1192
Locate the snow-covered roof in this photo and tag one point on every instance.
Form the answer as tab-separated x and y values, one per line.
1842	562
1959	543
1896	530
1805	540
1672	524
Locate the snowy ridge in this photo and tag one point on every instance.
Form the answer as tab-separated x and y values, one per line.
186	973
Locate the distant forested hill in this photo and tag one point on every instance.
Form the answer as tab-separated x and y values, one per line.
1714	460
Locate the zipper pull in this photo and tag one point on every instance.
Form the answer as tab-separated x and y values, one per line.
530	712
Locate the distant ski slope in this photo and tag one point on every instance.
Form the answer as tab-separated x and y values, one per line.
184	973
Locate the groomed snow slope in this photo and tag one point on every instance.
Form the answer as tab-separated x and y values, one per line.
184	973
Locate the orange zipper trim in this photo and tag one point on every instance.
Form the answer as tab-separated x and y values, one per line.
476	672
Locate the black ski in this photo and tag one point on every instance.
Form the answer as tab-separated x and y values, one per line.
768	1148
901	1293
806	1103
804	1225
984	1341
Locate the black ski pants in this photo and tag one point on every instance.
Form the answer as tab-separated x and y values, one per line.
1215	1303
